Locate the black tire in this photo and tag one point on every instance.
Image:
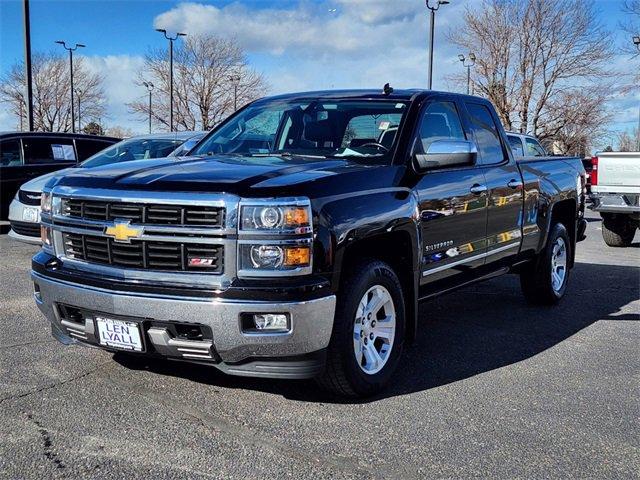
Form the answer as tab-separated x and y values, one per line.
342	373
536	279
618	230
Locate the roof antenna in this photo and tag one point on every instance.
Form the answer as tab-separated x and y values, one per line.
387	89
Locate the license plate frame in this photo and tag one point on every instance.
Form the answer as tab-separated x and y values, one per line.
123	335
30	214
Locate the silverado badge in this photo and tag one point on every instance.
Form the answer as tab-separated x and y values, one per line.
122	231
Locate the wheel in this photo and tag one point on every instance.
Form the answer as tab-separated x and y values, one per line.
618	230
368	332
545	280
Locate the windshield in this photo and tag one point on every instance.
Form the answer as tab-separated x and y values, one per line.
315	128
132	149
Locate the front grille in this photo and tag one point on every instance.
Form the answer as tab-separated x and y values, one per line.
26	229
153	214
150	255
29	198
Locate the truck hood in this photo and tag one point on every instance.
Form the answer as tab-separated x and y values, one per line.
230	174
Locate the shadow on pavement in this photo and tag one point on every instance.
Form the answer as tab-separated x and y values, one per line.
466	333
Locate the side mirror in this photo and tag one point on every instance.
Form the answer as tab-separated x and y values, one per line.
446	153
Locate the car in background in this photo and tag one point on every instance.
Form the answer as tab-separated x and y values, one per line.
615	195
188	145
24	211
523	145
27	155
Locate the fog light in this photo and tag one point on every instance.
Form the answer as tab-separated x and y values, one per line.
271	321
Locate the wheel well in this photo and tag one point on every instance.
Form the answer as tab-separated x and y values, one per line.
564	212
396	250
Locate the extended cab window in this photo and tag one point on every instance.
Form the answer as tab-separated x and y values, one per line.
48	150
10	153
516	145
534	149
87	147
440	121
486	133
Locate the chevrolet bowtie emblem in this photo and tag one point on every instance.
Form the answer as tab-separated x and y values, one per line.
123	231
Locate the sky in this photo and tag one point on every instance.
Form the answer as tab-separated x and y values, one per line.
297	44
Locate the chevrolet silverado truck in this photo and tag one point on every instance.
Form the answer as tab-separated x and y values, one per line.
615	194
298	237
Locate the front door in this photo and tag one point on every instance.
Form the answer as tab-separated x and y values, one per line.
453	203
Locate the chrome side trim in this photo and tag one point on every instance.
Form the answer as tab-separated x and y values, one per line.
470	259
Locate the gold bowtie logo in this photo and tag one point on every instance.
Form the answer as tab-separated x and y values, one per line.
123	231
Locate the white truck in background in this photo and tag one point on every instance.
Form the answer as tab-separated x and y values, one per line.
615	192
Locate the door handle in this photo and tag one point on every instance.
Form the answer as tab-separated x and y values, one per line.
514	184
477	189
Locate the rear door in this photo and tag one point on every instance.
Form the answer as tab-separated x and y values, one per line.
503	181
12	172
452	202
86	147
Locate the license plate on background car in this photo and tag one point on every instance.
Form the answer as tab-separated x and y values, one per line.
30	214
119	334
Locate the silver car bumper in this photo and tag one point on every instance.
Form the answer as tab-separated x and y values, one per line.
16	215
311	326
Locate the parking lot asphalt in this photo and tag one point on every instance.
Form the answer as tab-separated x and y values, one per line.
492	387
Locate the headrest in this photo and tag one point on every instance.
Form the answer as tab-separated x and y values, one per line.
318	131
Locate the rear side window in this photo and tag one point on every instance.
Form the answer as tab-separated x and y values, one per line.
440	121
486	132
516	145
48	150
534	149
86	147
10	155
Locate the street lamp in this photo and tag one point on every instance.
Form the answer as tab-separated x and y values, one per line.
433	9
636	42
171	40
469	64
71	50
236	81
79	92
149	86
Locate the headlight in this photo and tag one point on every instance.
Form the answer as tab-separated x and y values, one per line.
264	259
294	218
45	202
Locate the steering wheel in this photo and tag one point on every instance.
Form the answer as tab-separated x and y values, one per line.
375	144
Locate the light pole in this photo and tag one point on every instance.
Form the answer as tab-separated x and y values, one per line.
469	64
636	42
236	80
149	86
27	65
71	50
433	9
79	92
171	40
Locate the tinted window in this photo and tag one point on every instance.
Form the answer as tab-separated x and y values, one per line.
48	150
440	121
10	153
133	149
534	149
86	147
516	145
486	132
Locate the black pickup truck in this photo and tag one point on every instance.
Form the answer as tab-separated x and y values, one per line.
298	237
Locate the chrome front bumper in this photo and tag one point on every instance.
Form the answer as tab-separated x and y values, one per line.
311	324
16	210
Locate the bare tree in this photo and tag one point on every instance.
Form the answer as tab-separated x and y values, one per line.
542	63
51	93
118	131
631	26
211	78
627	142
